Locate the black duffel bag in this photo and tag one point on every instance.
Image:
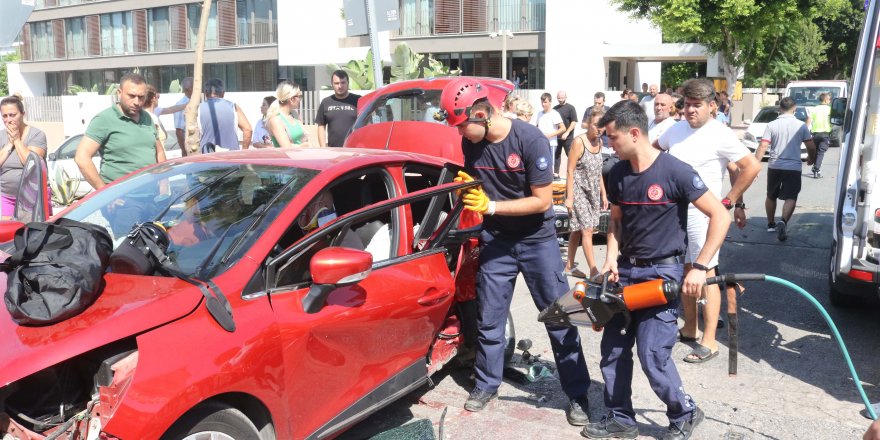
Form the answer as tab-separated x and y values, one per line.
56	271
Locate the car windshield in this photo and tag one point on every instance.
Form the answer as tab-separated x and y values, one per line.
810	95
767	115
213	211
411	105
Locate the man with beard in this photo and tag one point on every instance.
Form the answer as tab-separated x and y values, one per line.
126	139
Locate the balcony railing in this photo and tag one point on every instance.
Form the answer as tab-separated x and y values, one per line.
461	17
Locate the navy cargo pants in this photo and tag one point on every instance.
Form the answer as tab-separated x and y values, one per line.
501	260
655	331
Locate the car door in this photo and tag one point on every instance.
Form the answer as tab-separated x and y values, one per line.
367	343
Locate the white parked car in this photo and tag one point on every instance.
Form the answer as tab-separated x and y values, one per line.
63	158
756	128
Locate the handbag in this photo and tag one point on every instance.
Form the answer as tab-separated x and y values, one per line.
56	271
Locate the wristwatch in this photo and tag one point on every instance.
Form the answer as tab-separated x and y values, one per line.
739	205
699	266
727	203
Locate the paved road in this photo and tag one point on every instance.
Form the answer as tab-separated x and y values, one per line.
792	381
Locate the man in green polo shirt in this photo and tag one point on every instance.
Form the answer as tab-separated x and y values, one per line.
125	137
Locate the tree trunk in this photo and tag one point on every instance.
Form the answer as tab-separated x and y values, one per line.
193	133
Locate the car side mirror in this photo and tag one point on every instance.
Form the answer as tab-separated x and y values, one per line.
8	228
335	267
838	111
51	156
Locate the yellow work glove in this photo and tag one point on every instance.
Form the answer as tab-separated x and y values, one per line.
476	200
462	177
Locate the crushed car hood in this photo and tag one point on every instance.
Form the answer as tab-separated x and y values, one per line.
127	306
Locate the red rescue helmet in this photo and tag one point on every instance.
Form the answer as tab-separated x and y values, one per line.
457	99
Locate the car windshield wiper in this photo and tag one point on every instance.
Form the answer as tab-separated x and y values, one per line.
204	265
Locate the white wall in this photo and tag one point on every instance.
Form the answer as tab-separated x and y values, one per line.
313	36
28	84
577	32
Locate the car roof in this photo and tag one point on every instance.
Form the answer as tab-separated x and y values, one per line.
313	158
437	83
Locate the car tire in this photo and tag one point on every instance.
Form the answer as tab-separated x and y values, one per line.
213	421
509	338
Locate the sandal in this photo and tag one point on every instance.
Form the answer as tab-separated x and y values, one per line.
577	273
700	354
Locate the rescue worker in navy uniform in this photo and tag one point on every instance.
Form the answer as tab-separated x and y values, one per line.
650	192
512	158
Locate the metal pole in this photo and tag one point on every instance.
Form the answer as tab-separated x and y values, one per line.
504	54
374	43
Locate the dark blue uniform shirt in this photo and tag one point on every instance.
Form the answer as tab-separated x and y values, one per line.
508	169
654	205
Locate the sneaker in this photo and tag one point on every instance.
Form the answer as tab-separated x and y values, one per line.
609	427
771	227
576	414
781	232
817	174
683	432
478	400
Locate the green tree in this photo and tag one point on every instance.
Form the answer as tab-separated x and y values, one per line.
842	35
741	31
4	79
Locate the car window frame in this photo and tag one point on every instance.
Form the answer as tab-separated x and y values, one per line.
343	223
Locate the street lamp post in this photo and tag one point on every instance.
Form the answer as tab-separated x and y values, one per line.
505	35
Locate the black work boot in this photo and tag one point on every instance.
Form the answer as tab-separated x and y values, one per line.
576	414
609	427
478	400
683	430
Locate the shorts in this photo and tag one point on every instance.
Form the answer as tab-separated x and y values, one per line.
783	184
698	226
8	205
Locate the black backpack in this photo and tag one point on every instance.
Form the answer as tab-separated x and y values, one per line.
56	270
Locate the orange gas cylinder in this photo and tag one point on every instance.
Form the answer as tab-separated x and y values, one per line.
649	294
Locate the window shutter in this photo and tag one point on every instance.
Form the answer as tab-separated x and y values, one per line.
474	12
26	42
139	19
177	15
93	35
58	37
447	17
226	22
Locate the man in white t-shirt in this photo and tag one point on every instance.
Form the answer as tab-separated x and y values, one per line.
647	101
711	148
549	121
662	121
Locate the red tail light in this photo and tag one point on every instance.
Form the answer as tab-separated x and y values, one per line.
861	275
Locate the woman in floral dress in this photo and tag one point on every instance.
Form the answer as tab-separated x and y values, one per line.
585	194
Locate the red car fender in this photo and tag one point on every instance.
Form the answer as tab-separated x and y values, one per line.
164	389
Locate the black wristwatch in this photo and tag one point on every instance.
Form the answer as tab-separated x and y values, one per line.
699	266
727	203
739	205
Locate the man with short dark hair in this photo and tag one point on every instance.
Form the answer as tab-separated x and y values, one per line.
569	120
784	137
647	238
218	118
609	158
337	112
551	124
125	137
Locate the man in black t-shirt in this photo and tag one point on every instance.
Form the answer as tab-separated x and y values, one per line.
647	240
511	157
338	112
569	121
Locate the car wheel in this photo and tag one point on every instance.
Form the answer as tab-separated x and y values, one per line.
509	338
213	421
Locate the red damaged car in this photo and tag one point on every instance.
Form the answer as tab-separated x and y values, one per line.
341	269
400	117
